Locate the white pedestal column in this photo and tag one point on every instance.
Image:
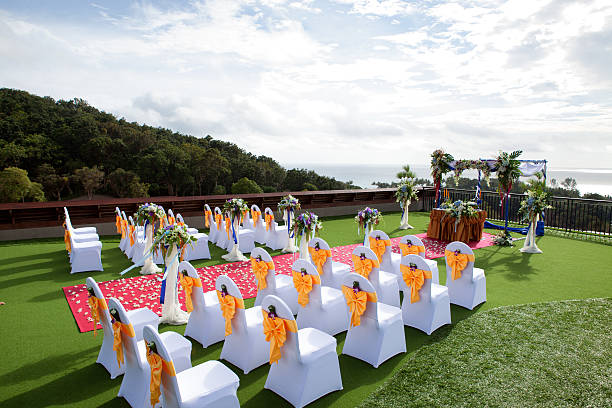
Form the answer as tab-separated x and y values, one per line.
304	240
290	248
530	246
149	266
404	222
368	230
235	255
171	309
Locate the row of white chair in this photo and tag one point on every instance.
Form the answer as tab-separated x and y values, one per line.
83	245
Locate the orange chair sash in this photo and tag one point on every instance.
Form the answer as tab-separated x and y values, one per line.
67	238
228	305
207	215
457	262
255	215
124	228
228	224
303	285
96	306
275	330
269	219
364	266
118	223
187	282
218	218
119	328
379	246
415	278
357	303
158	365
408	249
260	270
132	230
319	257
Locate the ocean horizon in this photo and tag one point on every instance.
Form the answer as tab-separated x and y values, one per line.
589	180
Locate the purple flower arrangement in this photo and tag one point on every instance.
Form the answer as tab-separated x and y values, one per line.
368	216
306	222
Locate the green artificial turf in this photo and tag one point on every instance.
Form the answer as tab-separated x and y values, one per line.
47	362
554	354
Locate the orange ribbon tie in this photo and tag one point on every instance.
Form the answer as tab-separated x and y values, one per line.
415	278
260	270
119	328
303	285
157	365
255	215
457	262
228	305
379	246
364	266
408	249
96	305
357	303
275	330
319	257
118	223
269	219
187	282
207	215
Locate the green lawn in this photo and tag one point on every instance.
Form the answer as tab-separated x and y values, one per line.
49	363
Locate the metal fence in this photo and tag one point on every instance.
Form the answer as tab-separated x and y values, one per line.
568	214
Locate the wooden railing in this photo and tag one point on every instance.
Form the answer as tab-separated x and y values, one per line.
47	214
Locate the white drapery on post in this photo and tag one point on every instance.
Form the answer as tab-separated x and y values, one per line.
404	221
367	230
290	248
171	308
149	266
235	255
304	240
530	246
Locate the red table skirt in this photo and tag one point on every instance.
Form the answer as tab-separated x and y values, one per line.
442	227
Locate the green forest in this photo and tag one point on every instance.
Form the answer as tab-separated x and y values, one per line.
53	150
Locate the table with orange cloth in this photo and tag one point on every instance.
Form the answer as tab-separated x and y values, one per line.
442	227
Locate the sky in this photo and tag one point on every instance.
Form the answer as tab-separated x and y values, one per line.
338	81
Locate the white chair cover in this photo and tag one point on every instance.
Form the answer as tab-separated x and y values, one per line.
380	334
308	368
246	347
222	239
326	309
384	282
212	233
432	310
333	272
210	384
414	240
279	285
470	289
276	237
85	256
206	324
135	384
259	226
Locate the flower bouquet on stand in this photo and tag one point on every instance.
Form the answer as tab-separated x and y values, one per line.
234	208
149	215
287	207
367	219
404	194
305	226
439	167
531	208
459	209
172	240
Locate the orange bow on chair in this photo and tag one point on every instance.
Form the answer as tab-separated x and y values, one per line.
356	302
303	285
124	228
457	261
415	278
379	246
96	306
269	219
319	257
409	249
275	329
158	364
67	238
255	215
364	266
260	270
118	328
228	224
228	305
207	215
132	229
187	282
218	218
118	223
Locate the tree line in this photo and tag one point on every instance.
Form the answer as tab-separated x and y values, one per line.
61	149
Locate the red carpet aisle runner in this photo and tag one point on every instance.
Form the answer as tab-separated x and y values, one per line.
143	291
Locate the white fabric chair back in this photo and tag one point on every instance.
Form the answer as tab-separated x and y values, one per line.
169	383
254	207
273	224
425	291
105	317
123	215
464	249
117	211
365	285
306	266
130	347
197	293
239	320
291	347
414	240
265	257
369	254
386	257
